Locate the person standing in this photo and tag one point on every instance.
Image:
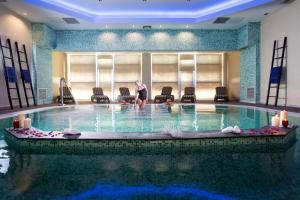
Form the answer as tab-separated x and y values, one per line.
141	94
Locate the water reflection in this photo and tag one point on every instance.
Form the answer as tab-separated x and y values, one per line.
235	175
4	160
154	118
230	175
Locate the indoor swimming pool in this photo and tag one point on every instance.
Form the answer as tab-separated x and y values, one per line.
154	118
214	175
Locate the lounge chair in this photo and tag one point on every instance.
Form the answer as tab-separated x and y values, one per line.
125	95
189	95
68	97
166	93
99	96
221	94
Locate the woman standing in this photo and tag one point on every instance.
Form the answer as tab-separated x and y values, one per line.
141	94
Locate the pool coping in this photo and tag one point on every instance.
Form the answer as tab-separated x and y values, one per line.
56	135
165	144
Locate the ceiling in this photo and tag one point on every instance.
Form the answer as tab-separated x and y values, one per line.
126	14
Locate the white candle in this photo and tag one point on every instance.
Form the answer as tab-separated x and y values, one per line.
27	123
275	121
21	118
283	116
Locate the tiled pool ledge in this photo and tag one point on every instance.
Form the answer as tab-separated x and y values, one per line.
89	142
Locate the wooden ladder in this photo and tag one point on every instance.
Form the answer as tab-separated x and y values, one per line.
276	69
10	72
25	74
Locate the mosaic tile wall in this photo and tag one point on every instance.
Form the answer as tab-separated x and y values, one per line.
42	72
245	39
242	37
235	144
44	41
250	61
43	36
146	40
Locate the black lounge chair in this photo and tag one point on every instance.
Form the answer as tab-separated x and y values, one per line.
99	96
221	94
125	95
68	97
166	93
189	95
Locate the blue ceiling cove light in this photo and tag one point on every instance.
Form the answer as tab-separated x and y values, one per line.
155	11
116	191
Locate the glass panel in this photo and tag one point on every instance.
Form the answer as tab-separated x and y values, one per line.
82	91
105	74
206	91
209	75
127	71
83	76
164	73
187	68
187	80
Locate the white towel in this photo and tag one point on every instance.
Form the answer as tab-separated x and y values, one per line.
228	129
236	129
70	131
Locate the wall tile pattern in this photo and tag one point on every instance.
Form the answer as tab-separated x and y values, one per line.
146	40
246	39
260	143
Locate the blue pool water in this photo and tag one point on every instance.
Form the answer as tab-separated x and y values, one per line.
154	118
220	175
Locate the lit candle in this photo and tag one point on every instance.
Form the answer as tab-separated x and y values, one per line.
283	117
275	121
21	118
16	123
285	123
27	123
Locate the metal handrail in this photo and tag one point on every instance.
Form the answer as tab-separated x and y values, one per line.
63	83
